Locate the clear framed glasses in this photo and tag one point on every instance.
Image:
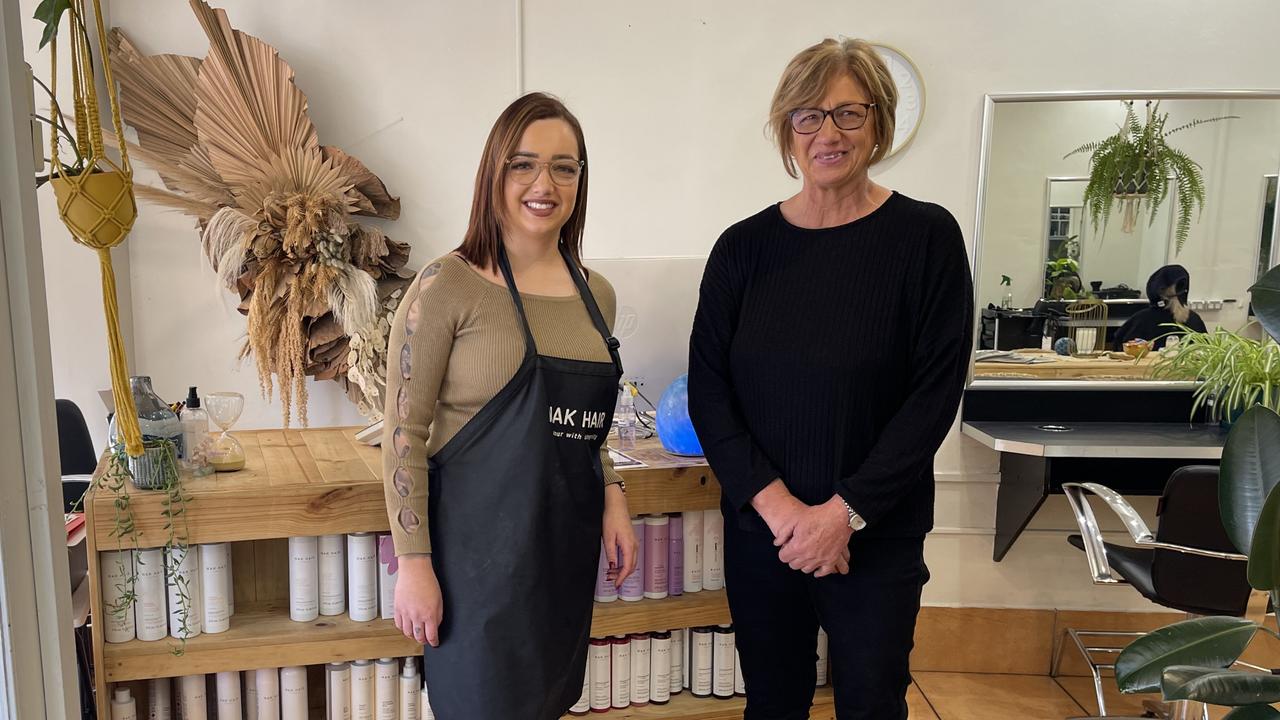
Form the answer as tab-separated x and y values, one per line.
563	171
849	116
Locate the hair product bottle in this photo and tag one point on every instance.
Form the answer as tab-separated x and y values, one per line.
679	670
739	685
641	668
606	591
409	692
583	706
268	684
621	687
599	662
304	569
338	681
293	693
701	661
250	695
123	706
712	550
151	600
362	687
693	551
723	662
183	574
660	664
333	570
117	567
193	702
160	699
633	587
386	695
214	584
656	540
388	572
823	644
362	576
227	687
675	555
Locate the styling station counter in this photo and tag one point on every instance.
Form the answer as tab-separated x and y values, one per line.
1129	436
320	482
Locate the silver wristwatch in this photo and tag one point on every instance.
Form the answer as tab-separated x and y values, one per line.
856	522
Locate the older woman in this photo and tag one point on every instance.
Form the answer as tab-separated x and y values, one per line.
827	360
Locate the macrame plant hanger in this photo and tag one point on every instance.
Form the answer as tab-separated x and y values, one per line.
97	205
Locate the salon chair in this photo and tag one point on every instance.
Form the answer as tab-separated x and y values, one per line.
1188	564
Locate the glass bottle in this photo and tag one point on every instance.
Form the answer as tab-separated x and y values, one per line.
195	436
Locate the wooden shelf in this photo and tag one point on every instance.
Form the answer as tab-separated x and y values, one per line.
687	707
323	481
259	637
264	636
709	607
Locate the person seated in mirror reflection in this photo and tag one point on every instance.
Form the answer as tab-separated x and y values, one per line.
1167	289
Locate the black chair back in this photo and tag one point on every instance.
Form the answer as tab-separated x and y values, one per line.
75	451
1188	515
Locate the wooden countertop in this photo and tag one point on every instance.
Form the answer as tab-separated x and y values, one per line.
1107	367
322	480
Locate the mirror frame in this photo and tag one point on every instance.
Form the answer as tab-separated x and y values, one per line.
989	102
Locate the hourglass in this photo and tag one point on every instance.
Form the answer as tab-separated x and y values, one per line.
224	410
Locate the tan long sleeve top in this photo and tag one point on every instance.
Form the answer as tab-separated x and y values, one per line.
456	341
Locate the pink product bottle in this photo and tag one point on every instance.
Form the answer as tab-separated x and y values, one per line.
633	587
656	528
606	591
675	555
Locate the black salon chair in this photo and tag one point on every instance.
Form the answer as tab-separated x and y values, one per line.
1188	564
75	451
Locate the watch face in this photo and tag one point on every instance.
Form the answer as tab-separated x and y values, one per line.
910	110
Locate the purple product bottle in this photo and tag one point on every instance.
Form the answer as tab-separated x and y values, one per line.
675	555
633	587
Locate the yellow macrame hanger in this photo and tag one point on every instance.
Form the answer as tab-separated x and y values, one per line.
97	205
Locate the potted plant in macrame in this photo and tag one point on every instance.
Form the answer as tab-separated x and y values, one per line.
1138	168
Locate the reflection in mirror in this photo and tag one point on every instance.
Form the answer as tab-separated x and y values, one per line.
1039	253
1266	244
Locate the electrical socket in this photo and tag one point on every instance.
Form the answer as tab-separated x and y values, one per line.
637	380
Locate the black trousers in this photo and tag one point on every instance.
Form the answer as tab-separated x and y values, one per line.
869	616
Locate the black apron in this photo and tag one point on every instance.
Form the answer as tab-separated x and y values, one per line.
516	500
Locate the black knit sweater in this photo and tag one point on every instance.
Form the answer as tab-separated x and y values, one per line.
833	359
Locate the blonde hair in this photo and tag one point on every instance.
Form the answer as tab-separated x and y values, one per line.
805	81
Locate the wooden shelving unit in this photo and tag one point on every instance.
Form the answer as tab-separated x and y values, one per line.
323	481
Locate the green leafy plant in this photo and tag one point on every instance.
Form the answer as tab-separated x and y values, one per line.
1136	165
1062	279
1193	660
1235	372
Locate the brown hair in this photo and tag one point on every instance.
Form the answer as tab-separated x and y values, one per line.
484	231
807	77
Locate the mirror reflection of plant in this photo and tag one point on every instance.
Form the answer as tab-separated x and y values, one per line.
1062	279
1235	372
1191	660
1135	166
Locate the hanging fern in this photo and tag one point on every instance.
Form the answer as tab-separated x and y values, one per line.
1135	167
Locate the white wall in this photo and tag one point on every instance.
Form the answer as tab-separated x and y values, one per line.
673	97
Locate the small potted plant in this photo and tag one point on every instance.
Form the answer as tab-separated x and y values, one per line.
1138	168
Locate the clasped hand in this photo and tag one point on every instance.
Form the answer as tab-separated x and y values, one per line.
813	539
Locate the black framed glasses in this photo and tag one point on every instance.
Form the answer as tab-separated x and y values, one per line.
849	116
563	171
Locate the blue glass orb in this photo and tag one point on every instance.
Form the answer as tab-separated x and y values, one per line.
675	429
1064	346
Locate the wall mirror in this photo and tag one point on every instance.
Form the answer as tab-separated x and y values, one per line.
1045	271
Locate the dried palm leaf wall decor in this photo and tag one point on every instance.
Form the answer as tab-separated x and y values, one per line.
234	147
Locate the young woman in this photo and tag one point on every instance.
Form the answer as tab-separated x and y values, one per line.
501	385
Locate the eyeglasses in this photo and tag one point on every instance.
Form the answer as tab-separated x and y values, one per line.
525	170
849	116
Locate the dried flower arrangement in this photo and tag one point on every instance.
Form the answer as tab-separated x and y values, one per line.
234	147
